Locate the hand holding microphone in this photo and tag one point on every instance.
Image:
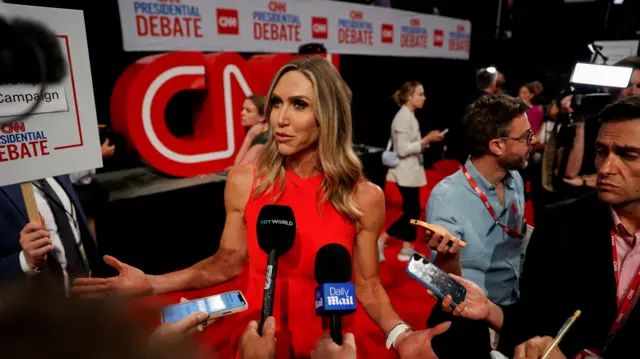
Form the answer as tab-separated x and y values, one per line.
326	348
276	231
259	346
335	295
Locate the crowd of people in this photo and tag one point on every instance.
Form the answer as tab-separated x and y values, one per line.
522	282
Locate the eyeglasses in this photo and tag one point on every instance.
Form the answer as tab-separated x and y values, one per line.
527	137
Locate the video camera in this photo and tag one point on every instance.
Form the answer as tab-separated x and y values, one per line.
592	85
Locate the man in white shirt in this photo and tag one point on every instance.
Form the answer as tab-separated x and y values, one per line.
56	251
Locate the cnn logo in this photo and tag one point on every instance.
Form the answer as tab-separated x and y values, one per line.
228	21
275	6
356	15
319	28
387	33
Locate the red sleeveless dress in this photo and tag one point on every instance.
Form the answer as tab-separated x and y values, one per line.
294	306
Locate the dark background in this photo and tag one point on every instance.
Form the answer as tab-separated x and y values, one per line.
547	38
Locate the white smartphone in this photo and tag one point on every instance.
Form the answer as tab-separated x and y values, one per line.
216	306
444	132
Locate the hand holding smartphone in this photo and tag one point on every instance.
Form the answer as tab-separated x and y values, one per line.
436	280
437	229
216	306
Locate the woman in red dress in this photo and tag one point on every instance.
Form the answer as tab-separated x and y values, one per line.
307	164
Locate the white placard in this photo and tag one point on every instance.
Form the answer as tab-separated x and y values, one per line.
617	50
17	99
62	137
282	26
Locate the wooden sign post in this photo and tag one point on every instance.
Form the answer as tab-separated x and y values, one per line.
30	202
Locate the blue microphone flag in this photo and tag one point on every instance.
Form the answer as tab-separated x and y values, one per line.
332	297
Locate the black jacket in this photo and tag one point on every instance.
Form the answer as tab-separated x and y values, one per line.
13	217
569	266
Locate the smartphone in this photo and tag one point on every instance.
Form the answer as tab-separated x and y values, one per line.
436	229
216	306
444	132
436	280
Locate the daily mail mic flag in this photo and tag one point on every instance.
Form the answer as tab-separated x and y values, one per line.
335	297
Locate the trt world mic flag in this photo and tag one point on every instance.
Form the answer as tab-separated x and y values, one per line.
335	297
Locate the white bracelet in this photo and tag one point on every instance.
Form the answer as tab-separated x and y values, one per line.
395	333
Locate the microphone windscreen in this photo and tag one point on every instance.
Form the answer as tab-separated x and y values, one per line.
276	228
27	39
333	264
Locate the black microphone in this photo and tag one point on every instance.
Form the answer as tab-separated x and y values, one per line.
335	295
276	230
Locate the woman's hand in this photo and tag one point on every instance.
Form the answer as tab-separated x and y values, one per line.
130	281
255	130
432	137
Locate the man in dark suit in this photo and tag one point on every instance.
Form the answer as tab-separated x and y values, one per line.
583	255
53	252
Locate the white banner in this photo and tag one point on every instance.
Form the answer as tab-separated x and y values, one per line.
61	137
282	26
617	50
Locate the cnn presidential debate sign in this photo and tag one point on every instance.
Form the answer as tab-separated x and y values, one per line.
61	136
191	27
282	26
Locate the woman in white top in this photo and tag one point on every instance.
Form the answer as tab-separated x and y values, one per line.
409	174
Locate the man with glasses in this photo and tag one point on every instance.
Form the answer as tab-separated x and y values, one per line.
483	205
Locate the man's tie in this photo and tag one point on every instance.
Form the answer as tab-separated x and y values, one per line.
75	266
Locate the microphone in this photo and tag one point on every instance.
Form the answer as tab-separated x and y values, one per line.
335	295
276	230
31	54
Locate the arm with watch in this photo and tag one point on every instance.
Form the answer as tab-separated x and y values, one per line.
369	290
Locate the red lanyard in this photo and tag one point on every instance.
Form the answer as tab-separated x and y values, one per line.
624	306
511	232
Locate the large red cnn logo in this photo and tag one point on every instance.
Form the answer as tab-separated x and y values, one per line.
228	23
143	90
438	37
319	27
387	33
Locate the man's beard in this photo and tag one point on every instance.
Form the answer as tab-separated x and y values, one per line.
514	163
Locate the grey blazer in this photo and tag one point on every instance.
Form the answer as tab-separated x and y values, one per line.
405	134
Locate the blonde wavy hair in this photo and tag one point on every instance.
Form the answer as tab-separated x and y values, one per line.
332	110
